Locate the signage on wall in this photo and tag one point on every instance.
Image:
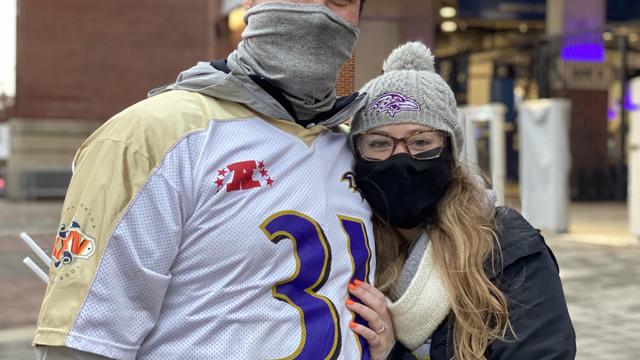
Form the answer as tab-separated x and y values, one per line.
535	10
581	18
582	75
623	10
503	10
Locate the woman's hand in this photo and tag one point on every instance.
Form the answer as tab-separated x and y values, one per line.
373	309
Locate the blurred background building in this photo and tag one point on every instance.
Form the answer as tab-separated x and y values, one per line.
581	50
79	63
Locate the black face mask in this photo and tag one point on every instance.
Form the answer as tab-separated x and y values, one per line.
402	190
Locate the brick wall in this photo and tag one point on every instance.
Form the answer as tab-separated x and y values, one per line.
347	78
79	59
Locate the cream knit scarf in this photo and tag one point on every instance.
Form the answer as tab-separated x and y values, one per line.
422	307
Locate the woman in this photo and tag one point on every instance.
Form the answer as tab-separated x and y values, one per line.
463	279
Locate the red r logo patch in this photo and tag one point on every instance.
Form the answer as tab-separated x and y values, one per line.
242	176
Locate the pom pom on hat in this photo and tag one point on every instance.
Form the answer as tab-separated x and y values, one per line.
410	56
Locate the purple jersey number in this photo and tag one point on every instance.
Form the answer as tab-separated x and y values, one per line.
360	258
320	321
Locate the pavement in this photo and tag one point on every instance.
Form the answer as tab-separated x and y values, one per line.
599	261
600	270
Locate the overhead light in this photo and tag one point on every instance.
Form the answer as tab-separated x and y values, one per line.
236	19
607	36
523	28
449	26
448	12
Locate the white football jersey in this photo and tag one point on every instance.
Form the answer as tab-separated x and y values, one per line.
237	240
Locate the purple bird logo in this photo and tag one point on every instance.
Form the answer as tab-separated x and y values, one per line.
393	103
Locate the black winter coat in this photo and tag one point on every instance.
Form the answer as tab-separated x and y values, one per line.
528	276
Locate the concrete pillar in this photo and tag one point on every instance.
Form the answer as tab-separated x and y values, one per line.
387	24
634	162
545	163
555	17
493	115
419	21
571	16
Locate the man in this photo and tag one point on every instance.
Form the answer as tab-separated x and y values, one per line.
218	219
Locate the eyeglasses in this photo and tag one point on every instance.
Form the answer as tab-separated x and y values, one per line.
422	145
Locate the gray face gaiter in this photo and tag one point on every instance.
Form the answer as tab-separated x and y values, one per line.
300	48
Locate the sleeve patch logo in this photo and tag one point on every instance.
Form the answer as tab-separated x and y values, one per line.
71	243
243	175
393	103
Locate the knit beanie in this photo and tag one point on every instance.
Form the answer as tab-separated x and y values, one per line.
409	92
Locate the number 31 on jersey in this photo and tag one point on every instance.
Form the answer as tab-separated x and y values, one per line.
319	318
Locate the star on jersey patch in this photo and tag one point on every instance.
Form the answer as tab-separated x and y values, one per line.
243	175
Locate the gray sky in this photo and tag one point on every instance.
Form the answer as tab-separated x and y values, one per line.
7	46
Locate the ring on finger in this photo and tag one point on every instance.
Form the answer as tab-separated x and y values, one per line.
384	327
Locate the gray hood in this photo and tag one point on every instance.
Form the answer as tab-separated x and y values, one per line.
240	88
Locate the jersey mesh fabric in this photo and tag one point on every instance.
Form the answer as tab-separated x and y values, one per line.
126	296
189	273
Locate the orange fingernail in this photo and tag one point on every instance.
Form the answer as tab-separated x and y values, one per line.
349	302
352	324
352	287
357	282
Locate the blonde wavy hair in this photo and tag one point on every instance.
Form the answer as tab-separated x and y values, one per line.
463	237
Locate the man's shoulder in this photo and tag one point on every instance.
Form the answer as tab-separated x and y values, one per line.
181	109
169	116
